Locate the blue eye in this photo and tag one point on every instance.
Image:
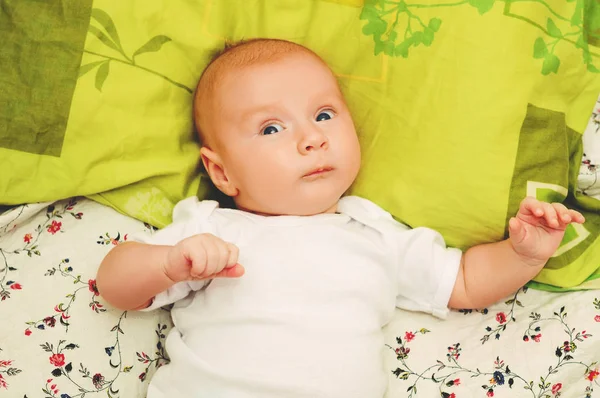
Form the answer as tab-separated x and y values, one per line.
272	129
325	115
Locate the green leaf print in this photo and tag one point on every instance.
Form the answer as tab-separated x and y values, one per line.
88	67
102	74
103	38
397	26
434	24
540	49
553	30
551	64
107	23
482	6
109	36
152	45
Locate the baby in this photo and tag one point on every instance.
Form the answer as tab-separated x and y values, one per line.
286	295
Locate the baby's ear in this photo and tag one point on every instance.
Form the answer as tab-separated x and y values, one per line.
214	167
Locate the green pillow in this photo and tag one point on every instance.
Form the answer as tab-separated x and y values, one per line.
96	106
462	107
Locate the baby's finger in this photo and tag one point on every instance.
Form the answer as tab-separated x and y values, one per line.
232	272
223	254
198	259
212	257
577	216
234	253
550	215
532	206
562	213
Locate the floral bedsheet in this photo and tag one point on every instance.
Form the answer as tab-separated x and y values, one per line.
533	344
59	339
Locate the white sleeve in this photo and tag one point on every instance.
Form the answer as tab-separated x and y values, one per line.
190	217
427	271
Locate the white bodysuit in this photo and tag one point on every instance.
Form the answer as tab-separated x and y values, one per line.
306	318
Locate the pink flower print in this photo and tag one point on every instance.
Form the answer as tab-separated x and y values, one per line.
54	227
93	288
57	360
556	388
98	380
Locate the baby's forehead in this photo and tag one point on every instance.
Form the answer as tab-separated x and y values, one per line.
239	62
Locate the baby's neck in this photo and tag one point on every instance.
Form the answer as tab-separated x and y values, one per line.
331	210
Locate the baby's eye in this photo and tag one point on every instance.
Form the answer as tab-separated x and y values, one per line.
272	129
325	115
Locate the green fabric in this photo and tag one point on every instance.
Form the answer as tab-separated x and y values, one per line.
543	140
461	107
39	54
129	140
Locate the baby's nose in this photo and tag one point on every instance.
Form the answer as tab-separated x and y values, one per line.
312	141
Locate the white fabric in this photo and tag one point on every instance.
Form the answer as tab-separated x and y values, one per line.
591	136
306	319
589	171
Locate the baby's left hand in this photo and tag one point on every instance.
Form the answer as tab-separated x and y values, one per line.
538	228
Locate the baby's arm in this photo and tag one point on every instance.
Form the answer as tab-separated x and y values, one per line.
133	273
491	271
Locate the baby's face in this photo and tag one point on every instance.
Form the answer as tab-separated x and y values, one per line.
285	136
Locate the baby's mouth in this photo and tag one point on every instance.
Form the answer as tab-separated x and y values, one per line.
318	172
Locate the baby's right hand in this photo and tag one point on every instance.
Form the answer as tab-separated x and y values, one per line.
203	256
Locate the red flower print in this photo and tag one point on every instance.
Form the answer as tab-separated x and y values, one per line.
142	376
597	318
490	393
27	238
456	382
4	364
452	395
54	227
537	337
556	388
27	332
93	288
501	318
50	321
98	381
15	286
3	382
57	360
592	375
408	336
